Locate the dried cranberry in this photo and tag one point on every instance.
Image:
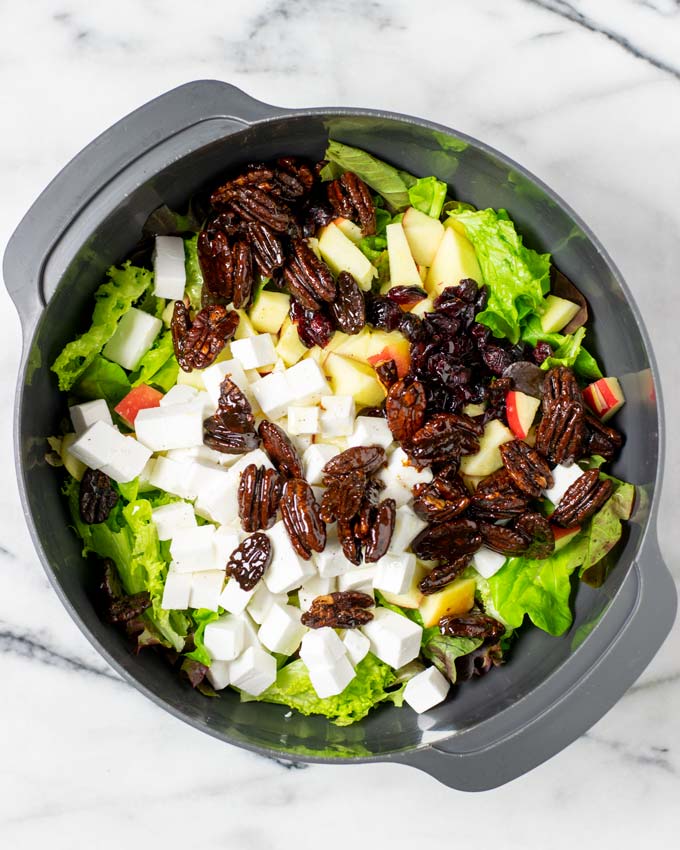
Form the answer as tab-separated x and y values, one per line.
382	313
541	352
314	327
497	359
480	334
450	373
412	328
406	296
441	326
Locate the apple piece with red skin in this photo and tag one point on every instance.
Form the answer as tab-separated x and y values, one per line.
604	397
394	346
564	535
521	411
139	398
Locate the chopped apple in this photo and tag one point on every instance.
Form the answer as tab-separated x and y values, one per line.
349	377
422	271
384	345
313	243
474	409
139	398
245	326
424	235
269	311
605	397
403	270
457	598
413	597
521	409
349	228
422	307
454	261
488	458
558	313
564	535
166	315
289	348
342	255
191	379
355	346
472	481
74	467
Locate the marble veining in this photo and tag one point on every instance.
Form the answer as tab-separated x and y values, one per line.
586	93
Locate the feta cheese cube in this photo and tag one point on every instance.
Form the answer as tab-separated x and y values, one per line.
103	447
219	674
406	475
357	645
127	461
176	591
215	374
272	394
371	431
487	562
233	598
202	453
204	478
394	639
224	638
133	337
393	489
249	630
253	671
337	415
331	679
86	414
226	539
257	456
171	476
179	394
306	382
192	549
176	426
314	460
563	478
331	562
303	420
262	600
407	526
206	587
219	505
281	630
313	587
301	442
358	578
171	518
169	272
321	647
287	570
254	351
394	572
426	689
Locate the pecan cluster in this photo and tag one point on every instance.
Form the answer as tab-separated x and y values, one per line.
197	343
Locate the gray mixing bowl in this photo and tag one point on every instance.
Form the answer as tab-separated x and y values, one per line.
553	689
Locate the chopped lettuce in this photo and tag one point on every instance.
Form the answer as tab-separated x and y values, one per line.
103	379
606	526
124	287
567	352
442	650
389	182
517	278
201	617
375	682
159	365
194	284
428	195
583	362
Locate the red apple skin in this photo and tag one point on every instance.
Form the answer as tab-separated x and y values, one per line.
603	398
513	417
137	399
560	533
402	361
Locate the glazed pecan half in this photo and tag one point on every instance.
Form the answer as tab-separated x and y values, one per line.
443	498
447	541
529	471
366	459
231	429
282	453
475	624
503	539
601	439
344	609
97	497
302	519
198	343
259	494
253	204
380	531
496	497
349	308
443	437
444	574
267	248
343	496
405	409
561	431
536	528
249	561
308	278
350	198
585	496
349	541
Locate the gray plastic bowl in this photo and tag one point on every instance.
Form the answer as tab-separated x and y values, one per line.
553	689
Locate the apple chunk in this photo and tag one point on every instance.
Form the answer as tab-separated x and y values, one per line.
269	311
457	598
424	235
349	228
521	410
349	377
454	261
488	458
558	313
604	397
564	535
384	345
403	269
342	255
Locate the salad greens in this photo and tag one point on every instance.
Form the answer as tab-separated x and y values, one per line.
159	365
103	379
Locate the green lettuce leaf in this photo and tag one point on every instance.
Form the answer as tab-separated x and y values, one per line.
160	355
517	278
201	618
428	195
389	182
606	526
124	287
587	366
194	284
103	379
375	682
567	352
583	362
442	651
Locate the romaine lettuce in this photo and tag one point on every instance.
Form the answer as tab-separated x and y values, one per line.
194	284
392	184
103	379
606	526
158	364
124	287
428	195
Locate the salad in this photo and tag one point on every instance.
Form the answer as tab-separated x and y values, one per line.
335	436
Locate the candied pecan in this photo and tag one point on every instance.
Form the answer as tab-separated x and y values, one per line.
503	539
248	562
601	439
529	471
300	513
560	384
97	497
496	497
349	308
585	496
536	528
282	453
308	278
255	174
252	204
405	409
381	531
444	436
441	499
344	609
243	274
259	494
266	247
474	624
216	262
447	540
387	373
364	518
343	496
233	403
444	574
350	198
561	431
198	343
366	459
350	543
293	179
220	435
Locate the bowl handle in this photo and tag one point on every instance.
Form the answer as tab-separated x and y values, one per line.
100	162
635	625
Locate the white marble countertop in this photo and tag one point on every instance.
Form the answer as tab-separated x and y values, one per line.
587	95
